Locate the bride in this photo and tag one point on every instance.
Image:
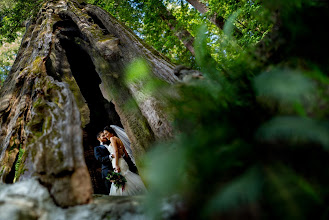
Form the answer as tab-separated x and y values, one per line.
134	184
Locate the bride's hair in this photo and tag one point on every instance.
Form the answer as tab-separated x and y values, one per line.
111	130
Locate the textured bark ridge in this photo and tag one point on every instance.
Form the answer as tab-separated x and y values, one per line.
66	85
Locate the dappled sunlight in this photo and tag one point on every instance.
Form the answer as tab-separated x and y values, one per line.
8	52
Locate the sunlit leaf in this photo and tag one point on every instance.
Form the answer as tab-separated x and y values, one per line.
137	71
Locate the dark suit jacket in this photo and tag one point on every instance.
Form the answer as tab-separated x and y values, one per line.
102	155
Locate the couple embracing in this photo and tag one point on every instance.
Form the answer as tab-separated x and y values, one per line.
115	154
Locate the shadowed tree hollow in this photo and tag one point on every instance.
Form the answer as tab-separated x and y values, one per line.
66	84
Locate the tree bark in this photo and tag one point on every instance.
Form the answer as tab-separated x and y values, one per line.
66	84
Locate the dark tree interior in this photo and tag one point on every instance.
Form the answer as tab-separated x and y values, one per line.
102	112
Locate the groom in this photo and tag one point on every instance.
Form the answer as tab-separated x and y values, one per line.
104	157
131	165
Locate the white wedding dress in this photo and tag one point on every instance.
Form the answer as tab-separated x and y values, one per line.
134	184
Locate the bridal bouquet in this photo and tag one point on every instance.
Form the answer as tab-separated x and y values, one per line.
117	179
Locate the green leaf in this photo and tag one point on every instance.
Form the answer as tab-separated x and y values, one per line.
242	191
294	130
283	85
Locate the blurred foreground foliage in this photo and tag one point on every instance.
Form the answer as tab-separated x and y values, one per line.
251	138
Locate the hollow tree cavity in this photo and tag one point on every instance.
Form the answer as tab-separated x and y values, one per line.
66	84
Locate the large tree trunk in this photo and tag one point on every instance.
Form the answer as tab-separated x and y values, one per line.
66	85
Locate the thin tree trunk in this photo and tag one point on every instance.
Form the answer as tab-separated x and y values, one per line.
183	35
203	9
66	84
216	19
